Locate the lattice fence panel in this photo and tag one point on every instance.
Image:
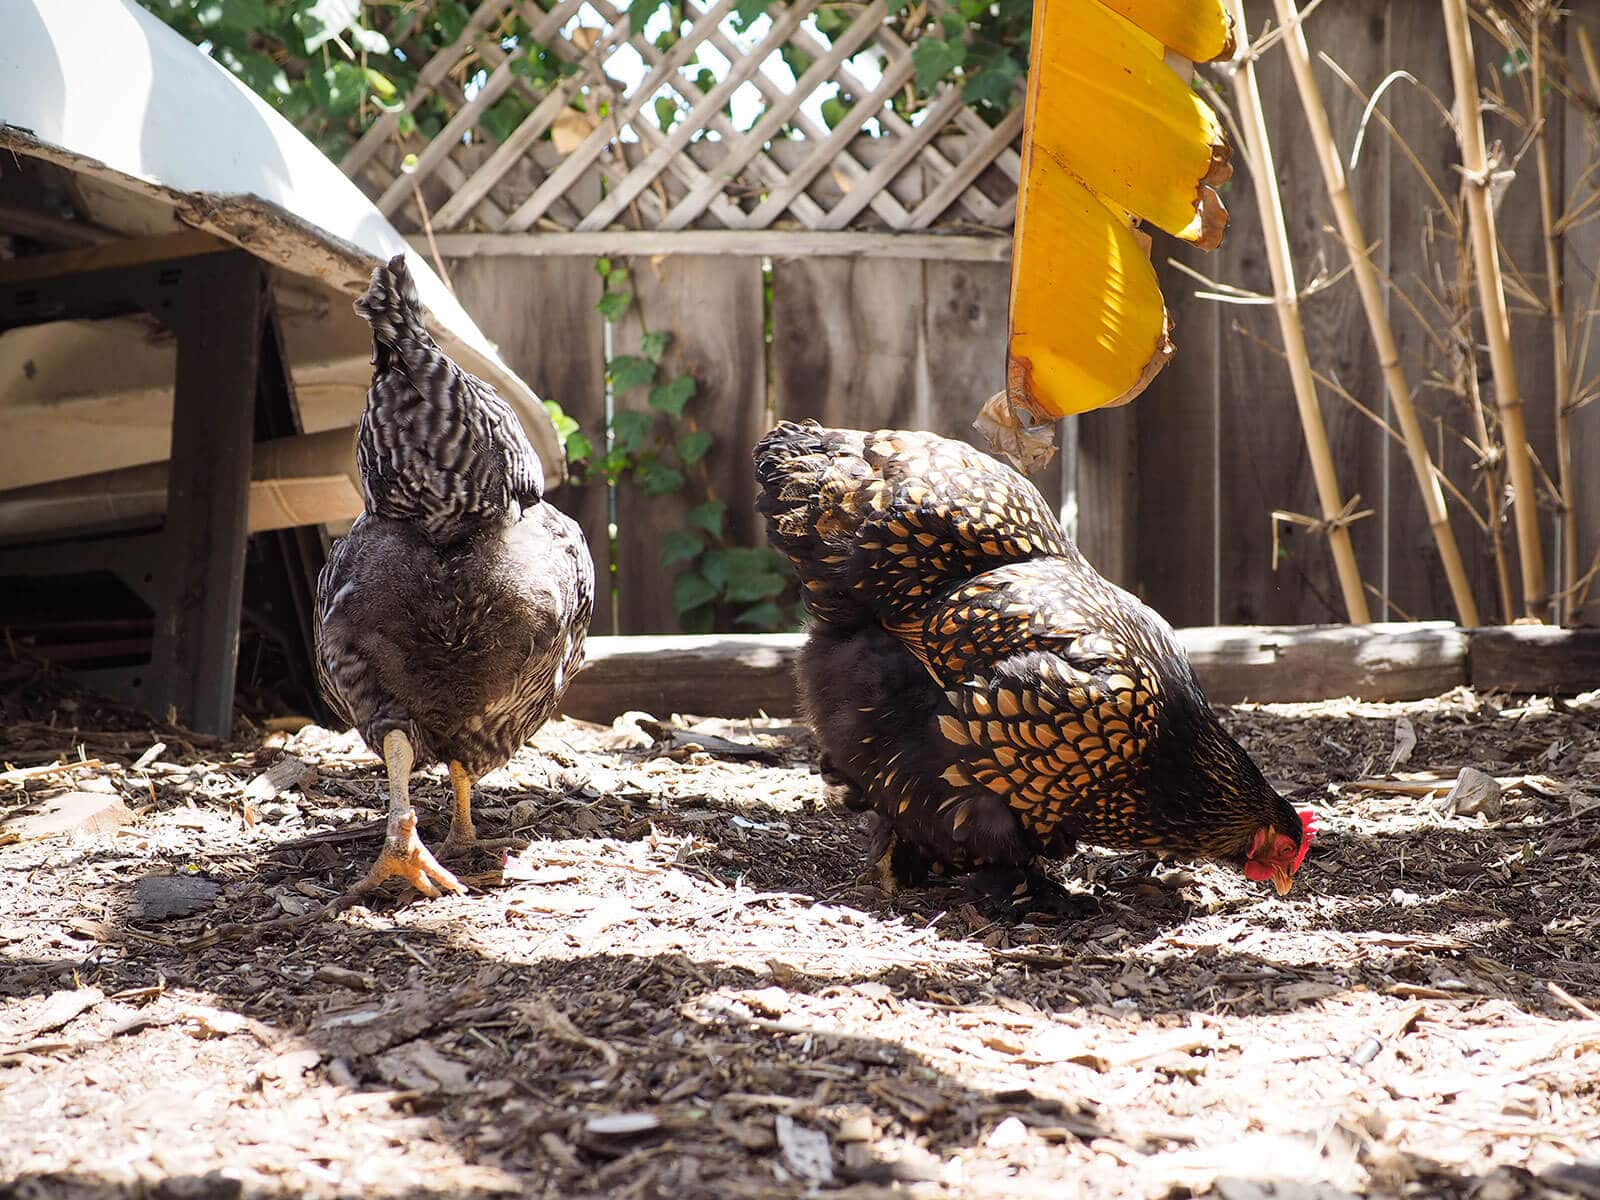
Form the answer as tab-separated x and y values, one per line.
563	119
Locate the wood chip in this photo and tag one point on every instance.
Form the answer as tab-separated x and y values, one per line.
161	897
71	812
806	1152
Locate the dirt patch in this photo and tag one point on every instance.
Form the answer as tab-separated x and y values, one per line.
679	988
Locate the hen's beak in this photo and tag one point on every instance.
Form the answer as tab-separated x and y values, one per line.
1282	880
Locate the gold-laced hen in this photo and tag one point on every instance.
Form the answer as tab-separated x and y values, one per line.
981	688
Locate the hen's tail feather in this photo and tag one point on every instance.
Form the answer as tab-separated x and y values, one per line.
391	306
436	445
879	523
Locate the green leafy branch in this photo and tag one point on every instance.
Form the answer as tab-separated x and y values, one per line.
661	449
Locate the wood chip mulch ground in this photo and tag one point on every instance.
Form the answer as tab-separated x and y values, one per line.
680	989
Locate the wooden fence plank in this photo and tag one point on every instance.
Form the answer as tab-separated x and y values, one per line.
964	352
1264	463
1581	265
540	312
847	341
1175	443
1418	239
713	308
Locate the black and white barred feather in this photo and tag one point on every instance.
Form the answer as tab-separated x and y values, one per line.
457	606
437	446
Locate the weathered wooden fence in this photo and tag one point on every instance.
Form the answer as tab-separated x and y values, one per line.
876	323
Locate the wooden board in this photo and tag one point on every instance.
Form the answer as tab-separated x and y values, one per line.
713	309
722	675
725	675
540	313
1535	658
220	309
1381	661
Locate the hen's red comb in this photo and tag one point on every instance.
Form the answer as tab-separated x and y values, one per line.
1308	830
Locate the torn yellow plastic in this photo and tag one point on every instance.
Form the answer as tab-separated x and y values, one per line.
1123	122
1088	325
1197	29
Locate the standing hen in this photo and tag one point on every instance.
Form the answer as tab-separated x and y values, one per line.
453	615
980	687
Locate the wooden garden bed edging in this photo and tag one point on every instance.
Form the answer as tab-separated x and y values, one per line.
736	675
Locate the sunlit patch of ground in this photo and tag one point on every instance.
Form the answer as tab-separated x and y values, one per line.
681	989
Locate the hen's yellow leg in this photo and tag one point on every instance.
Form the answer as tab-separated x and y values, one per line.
404	856
463	836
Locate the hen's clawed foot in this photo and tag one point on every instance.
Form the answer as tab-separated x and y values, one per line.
405	857
1012	893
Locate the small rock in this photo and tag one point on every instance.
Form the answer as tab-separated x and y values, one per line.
1474	794
1007	1135
159	897
621	1125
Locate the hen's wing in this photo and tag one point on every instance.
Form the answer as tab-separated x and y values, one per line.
436	445
877	524
1055	686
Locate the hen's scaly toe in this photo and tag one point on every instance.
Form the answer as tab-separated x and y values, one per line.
405	857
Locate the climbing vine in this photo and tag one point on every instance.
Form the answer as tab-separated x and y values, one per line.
332	66
661	450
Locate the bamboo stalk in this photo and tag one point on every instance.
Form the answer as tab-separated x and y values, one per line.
1492	300
1555	285
1252	122
1366	276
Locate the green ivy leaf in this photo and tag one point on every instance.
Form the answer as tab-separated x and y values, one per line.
450	18
654	345
935	58
628	371
666	113
832	20
613	305
799	61
630	429
657	479
747	11
766	615
692	447
750	575
640	11
602	266
698	620
834	110
578	447
680	545
565	425
708	516
714	566
953	26
672	396
690	590
993	85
